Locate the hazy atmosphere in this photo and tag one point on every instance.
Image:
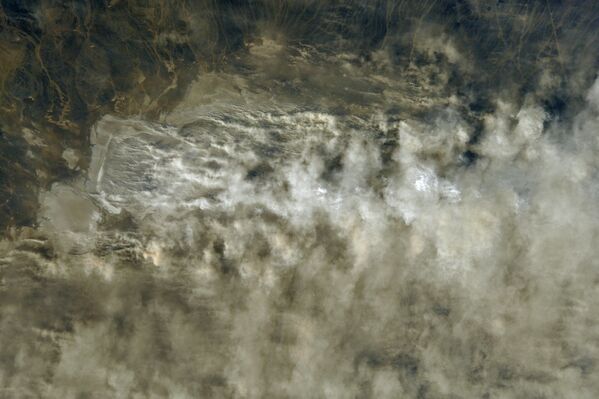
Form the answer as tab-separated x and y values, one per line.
299	199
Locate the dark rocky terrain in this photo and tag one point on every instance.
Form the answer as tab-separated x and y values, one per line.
67	63
303	198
